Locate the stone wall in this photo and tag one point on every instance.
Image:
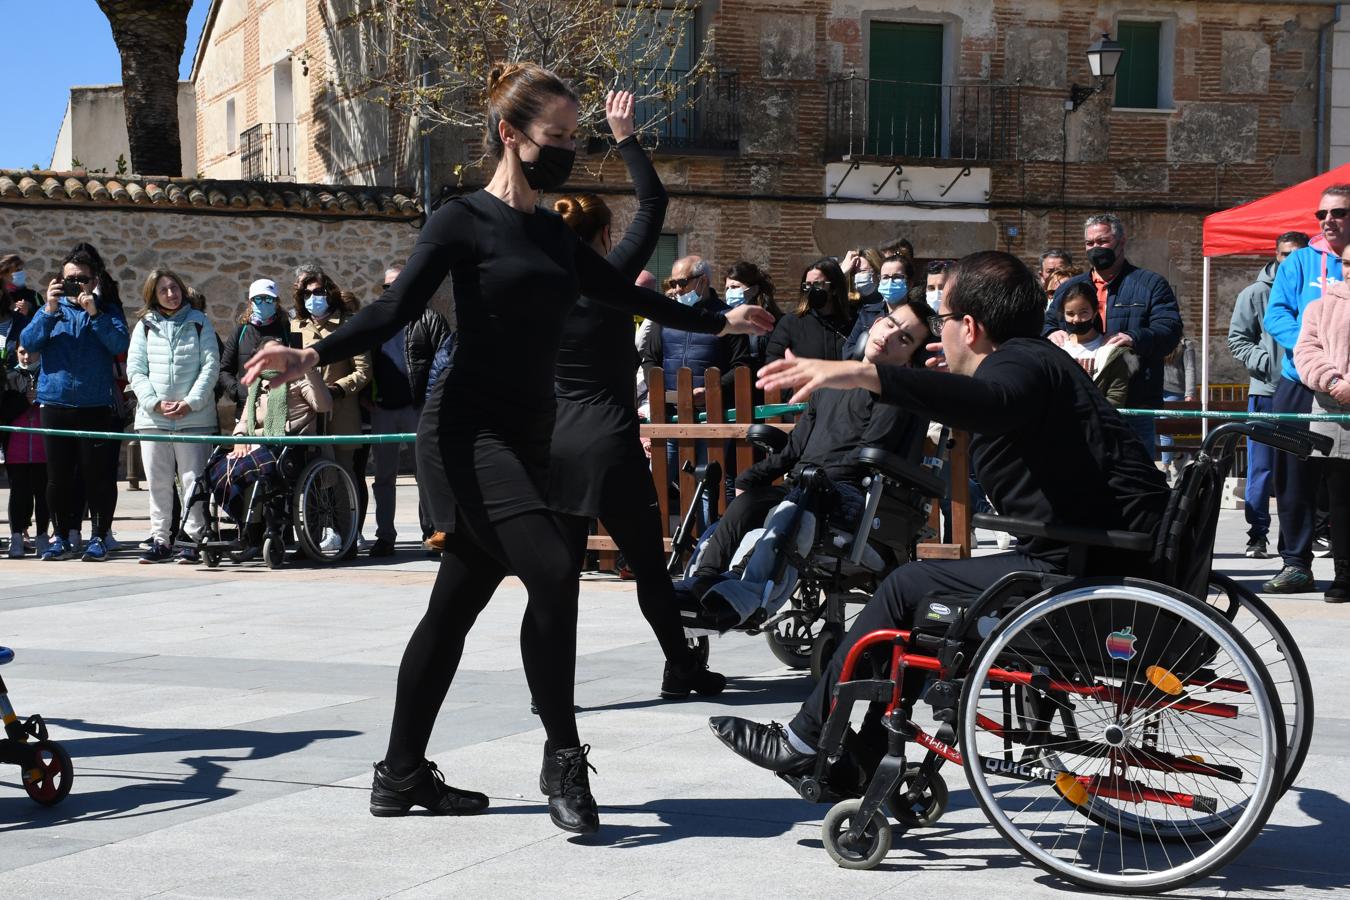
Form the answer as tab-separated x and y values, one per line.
217	253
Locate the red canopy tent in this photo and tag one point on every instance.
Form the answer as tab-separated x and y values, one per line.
1253	228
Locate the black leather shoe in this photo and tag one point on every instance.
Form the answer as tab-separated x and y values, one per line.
381	547
679	680
425	787
764	745
565	780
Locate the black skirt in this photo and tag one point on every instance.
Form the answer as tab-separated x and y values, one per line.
593	445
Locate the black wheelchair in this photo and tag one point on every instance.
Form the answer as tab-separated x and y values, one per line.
300	499
843	566
1129	734
45	766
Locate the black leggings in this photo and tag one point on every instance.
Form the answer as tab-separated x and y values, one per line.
27	493
530	545
1337	473
84	461
629	512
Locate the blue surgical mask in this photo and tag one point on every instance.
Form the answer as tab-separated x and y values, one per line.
735	296
864	283
317	304
19	279
688	298
893	290
264	310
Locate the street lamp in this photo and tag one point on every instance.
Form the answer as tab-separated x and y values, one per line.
1103	59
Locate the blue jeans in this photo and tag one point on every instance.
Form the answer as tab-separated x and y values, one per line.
1166	439
1260	476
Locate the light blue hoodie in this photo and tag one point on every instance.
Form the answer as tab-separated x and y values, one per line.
1298	283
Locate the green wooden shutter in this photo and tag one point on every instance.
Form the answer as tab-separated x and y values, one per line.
1137	76
904	97
664	256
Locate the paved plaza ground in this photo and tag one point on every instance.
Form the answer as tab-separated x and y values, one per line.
223	724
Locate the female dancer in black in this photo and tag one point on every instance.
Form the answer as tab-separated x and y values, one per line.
517	270
598	468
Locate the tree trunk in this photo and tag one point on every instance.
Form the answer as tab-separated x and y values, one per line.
150	36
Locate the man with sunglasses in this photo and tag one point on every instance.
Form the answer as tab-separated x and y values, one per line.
399	388
1301	279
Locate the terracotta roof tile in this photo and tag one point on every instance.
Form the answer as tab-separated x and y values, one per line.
79	187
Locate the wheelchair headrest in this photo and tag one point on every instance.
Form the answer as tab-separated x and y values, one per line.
899	469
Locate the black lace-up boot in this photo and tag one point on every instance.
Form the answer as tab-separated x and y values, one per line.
565	780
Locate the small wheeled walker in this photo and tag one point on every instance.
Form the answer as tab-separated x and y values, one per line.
46	767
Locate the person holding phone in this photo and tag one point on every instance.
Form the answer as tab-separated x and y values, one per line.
79	336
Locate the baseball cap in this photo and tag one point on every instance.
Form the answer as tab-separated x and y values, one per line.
263	286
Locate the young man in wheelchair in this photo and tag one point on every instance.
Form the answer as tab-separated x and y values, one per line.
836	424
1046	446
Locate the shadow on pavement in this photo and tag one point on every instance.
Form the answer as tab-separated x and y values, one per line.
739	692
202	785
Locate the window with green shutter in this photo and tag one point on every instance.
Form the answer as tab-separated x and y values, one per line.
904	103
1140	68
664	256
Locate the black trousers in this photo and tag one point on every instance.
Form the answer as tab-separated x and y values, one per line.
1338	493
1296	483
532	546
27	494
629	512
746	513
893	606
74	463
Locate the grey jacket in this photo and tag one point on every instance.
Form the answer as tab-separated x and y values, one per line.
1248	340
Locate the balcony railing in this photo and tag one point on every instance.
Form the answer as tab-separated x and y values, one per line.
883	120
267	152
692	116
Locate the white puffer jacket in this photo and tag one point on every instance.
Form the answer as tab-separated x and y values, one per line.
174	358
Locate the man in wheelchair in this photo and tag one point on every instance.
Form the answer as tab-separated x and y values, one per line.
823	445
1046	446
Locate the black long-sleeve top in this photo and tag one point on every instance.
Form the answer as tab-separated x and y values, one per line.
834	426
1046	444
516	275
596	359
813	336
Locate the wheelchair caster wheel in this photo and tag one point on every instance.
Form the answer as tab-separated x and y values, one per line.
274	553
48	781
919	808
210	558
864	852
822	650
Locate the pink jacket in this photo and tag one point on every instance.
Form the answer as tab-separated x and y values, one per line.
26	448
1323	348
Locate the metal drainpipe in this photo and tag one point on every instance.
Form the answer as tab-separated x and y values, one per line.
1323	120
426	146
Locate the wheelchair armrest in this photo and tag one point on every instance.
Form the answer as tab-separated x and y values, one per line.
1136	541
898	469
766	437
1299	441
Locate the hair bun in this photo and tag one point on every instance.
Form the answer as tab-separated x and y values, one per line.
499	73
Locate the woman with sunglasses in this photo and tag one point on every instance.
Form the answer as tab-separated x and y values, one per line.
819	324
517	271
79	336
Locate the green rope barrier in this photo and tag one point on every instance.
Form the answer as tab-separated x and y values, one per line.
1235	416
229	439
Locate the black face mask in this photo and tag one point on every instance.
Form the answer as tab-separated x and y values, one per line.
818	297
1080	328
551	170
1102	258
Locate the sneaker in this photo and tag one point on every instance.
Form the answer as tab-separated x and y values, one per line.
40	544
425	786
331	543
1256	549
1291	580
95	550
157	553
111	542
1003	539
188	556
16	545
57	549
678	682
362	544
146	544
1321	546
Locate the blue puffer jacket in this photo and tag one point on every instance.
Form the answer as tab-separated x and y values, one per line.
1141	304
77	353
697	352
1298	282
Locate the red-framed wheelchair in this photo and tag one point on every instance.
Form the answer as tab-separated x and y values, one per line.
1129	734
45	766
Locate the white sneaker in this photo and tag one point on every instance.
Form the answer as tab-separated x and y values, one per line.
362	544
15	545
1003	539
331	542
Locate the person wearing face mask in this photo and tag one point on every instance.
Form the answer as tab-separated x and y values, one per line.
819	324
748	283
1138	308
260	319
935	282
320	309
18	302
894	278
173	363
1111	366
863	269
517	269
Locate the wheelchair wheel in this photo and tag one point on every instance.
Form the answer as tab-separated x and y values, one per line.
211	558
921	807
274	553
1171	736
1275	646
792	638
49	781
865	852
823	648
325	510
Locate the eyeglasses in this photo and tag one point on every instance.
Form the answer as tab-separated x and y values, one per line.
684	282
1340	212
937	320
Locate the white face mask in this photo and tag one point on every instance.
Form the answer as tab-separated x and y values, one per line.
934	297
864	283
688	298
